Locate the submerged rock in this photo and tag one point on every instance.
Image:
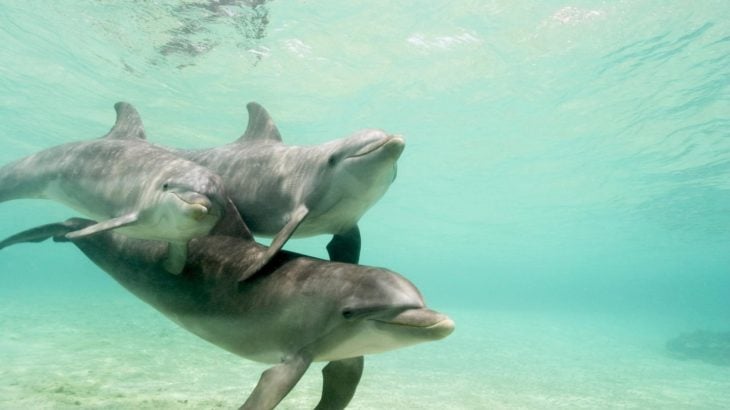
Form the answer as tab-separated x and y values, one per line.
710	347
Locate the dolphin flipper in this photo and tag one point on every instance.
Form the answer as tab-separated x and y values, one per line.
341	378
57	231
345	247
37	234
280	239
276	382
177	255
105	226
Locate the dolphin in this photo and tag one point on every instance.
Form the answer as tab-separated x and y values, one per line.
295	311
284	191
130	185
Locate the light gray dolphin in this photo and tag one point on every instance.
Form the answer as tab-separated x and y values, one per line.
295	311
128	184
283	190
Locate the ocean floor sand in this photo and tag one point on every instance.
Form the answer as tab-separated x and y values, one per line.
112	351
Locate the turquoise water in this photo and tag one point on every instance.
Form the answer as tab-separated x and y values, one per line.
564	194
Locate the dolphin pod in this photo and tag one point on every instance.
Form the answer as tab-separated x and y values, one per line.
295	311
261	303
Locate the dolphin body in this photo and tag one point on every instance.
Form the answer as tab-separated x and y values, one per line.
294	311
284	191
137	188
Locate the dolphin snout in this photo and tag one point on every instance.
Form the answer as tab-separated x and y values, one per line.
199	205
443	328
391	144
395	145
427	322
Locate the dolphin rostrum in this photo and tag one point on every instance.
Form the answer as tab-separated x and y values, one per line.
294	311
130	185
283	190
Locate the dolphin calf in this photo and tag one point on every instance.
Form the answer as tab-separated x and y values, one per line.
128	184
283	190
295	311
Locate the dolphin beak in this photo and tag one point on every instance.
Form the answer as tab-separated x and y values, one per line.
434	324
392	144
199	205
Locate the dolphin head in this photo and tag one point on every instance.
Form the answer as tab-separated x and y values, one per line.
188	205
367	157
361	168
384	311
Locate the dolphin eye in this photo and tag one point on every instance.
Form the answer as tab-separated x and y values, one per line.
347	313
165	186
332	160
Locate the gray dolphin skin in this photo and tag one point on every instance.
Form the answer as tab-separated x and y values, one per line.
295	311
125	182
284	191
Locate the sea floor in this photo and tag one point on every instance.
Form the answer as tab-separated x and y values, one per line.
112	351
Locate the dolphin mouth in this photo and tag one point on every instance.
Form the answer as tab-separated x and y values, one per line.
395	141
198	206
422	319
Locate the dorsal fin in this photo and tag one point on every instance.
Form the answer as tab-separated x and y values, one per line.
128	124
260	125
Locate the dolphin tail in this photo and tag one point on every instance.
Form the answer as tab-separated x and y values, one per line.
57	231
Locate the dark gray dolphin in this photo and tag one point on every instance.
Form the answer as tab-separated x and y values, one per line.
128	184
295	311
285	191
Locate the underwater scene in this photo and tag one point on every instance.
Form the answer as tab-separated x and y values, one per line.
542	188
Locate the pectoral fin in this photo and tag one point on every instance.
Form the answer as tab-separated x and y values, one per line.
279	240
43	232
341	378
276	382
177	255
107	225
345	247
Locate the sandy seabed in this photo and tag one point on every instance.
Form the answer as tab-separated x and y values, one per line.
112	351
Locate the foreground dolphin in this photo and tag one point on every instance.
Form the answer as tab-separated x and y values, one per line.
142	190
295	311
285	191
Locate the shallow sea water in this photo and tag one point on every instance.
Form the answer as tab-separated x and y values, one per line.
564	194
